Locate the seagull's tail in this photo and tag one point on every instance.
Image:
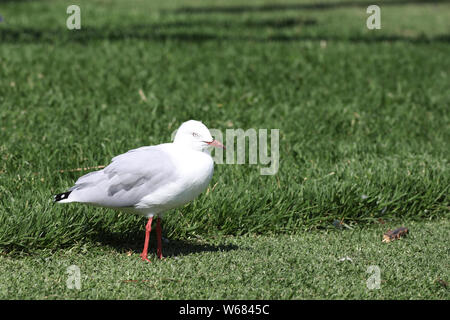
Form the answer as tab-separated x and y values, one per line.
62	197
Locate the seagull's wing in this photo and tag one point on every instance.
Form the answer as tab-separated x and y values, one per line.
130	177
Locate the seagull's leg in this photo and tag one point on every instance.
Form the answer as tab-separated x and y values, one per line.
158	237
148	228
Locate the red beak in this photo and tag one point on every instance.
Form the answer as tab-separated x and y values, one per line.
216	144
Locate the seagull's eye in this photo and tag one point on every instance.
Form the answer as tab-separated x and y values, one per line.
195	134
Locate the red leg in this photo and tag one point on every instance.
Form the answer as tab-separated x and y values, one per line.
148	229
158	236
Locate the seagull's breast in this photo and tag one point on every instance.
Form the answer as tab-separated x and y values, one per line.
194	170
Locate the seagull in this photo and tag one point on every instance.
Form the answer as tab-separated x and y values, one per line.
151	180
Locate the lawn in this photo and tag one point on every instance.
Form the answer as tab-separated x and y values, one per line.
313	265
364	129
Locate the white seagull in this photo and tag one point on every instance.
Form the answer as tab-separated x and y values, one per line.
151	180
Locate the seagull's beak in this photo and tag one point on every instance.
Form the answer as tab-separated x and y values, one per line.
216	144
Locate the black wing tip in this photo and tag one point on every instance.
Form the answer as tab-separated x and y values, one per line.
61	196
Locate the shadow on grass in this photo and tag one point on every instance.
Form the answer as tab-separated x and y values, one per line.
300	6
263	23
151	32
181	248
15	1
155	33
135	242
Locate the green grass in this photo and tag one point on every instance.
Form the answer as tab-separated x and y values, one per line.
363	116
303	266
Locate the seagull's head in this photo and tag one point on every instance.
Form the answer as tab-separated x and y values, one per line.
196	135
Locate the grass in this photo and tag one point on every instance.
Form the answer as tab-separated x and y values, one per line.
303	266
363	116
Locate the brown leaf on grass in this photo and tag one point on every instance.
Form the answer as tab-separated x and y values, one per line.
442	283
392	235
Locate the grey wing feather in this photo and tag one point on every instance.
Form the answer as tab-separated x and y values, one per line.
130	177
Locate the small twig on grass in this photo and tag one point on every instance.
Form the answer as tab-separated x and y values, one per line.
143	97
82	169
211	190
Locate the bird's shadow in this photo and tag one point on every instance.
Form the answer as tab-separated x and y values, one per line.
173	248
